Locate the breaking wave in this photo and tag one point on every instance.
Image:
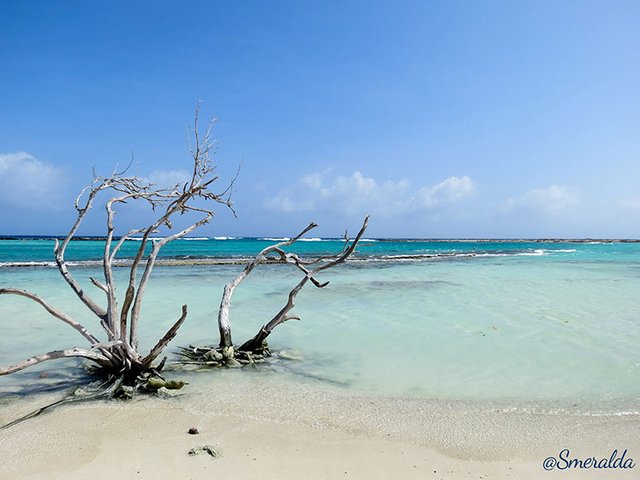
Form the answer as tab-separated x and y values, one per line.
184	260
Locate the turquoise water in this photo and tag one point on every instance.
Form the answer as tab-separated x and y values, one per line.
510	321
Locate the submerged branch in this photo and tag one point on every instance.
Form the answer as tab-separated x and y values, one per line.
53	311
73	352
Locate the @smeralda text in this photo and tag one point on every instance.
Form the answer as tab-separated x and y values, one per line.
565	461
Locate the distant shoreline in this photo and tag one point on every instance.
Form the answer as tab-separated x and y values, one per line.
86	238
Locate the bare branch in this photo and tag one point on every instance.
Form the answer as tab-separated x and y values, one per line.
293	259
117	173
224	322
283	315
123	239
171	333
73	352
346	253
108	271
99	285
137	303
125	311
94	189
53	311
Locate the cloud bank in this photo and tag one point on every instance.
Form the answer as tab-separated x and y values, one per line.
550	200
29	183
358	194
632	203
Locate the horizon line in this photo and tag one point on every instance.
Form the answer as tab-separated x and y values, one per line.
276	238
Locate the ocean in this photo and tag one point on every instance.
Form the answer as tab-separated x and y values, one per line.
523	324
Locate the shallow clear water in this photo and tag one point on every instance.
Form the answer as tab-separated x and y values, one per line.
517	322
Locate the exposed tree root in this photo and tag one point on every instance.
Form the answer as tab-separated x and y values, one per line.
210	357
111	386
213	356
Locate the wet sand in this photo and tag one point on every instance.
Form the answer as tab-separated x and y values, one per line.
270	431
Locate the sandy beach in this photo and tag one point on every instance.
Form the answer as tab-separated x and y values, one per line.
262	430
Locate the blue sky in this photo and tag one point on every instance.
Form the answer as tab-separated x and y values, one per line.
438	118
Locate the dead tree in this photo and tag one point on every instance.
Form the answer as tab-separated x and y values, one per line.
118	355
256	347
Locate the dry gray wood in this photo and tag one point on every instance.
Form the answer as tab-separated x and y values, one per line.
72	352
322	263
120	351
224	321
171	333
283	315
53	311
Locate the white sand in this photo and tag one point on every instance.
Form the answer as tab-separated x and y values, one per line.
269	431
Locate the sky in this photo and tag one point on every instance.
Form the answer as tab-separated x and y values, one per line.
439	119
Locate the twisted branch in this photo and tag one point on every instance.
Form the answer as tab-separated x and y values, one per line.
171	333
53	311
224	323
73	352
283	315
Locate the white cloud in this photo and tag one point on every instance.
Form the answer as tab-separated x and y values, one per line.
551	199
28	182
169	178
449	191
632	203
313	180
357	194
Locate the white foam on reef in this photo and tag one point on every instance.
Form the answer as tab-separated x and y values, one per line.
79	263
139	239
544	251
401	257
536	253
27	264
275	239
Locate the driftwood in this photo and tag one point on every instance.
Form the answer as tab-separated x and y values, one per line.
117	356
255	349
